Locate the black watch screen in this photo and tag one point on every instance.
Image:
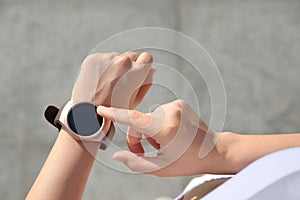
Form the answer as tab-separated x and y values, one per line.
84	120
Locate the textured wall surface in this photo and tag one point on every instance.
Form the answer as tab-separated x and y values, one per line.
255	44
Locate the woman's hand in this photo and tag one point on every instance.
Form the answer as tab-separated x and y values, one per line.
111	79
176	132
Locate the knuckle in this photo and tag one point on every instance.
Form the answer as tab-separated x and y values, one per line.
130	53
93	56
111	56
123	62
180	102
134	115
148	56
176	113
90	59
96	58
139	119
93	60
173	127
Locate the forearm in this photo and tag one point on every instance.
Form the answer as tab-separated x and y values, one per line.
241	150
66	170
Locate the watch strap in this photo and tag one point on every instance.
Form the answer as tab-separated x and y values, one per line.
52	114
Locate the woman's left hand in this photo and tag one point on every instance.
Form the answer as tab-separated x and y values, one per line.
112	79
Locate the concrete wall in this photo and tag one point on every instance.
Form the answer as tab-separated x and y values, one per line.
255	44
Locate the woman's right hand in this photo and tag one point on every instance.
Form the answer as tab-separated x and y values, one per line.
176	132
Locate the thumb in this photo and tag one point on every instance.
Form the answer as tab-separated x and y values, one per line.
136	163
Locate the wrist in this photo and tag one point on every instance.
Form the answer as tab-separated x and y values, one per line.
228	148
66	140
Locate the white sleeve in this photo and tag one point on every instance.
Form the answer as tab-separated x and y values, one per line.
275	176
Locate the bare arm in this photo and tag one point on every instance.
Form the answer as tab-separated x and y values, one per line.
65	173
178	135
66	170
241	150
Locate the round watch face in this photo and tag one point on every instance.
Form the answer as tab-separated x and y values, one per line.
84	120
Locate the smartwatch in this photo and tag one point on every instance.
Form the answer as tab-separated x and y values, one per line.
81	121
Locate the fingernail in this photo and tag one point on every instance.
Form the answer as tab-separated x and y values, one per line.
101	108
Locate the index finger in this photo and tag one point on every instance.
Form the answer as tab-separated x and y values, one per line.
138	120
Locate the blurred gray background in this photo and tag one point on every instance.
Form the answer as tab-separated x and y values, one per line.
255	44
